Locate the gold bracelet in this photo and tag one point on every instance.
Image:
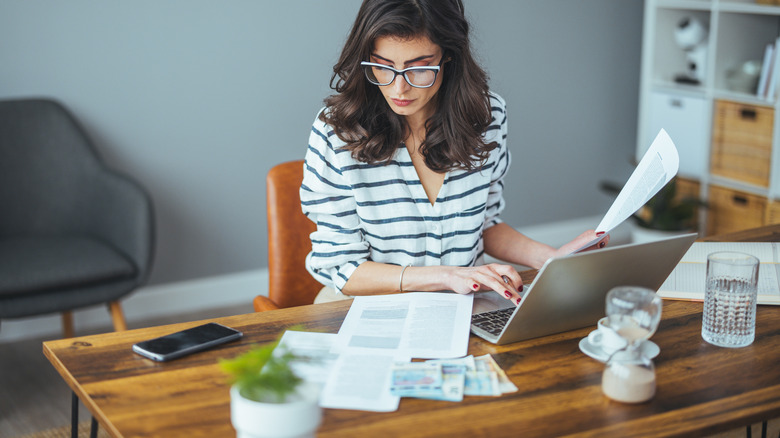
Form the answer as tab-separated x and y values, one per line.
401	280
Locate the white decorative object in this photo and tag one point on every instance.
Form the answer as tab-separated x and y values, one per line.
299	416
691	35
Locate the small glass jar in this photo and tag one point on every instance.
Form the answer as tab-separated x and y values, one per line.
629	377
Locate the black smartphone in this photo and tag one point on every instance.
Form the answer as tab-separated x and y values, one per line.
186	342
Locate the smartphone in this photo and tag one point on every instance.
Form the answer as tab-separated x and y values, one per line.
186	342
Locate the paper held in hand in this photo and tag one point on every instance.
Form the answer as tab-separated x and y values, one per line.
657	167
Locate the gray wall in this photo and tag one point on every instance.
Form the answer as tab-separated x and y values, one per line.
198	99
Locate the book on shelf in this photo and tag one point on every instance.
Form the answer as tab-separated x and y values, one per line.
770	71
766	71
771	90
687	281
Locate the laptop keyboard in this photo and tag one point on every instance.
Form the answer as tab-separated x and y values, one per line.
494	321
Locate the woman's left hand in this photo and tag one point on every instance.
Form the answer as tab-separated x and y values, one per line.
503	279
583	239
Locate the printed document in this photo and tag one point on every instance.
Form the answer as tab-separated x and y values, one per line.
383	330
361	381
657	167
688	280
314	358
347	381
430	325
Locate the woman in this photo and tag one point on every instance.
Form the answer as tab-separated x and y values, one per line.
405	165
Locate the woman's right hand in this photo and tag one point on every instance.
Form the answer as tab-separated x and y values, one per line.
503	279
584	239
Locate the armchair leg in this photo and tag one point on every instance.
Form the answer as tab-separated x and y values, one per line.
117	316
67	324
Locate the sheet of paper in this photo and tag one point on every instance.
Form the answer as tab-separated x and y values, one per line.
688	279
418	324
763	251
361	381
657	167
314	350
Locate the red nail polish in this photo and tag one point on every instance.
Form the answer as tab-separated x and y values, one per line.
602	244
520	289
518	301
600	233
475	286
507	294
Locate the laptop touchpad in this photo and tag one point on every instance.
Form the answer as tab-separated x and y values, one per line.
488	301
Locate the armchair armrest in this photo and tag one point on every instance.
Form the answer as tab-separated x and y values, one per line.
121	213
263	303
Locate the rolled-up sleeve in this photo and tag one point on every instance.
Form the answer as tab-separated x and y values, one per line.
497	132
338	247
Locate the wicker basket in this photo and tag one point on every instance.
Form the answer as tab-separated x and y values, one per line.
772	213
742	142
730	210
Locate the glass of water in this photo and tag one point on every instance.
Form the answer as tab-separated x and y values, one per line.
729	318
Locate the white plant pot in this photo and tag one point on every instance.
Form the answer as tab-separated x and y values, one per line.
297	418
644	235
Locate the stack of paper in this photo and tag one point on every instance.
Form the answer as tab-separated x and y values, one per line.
687	281
355	366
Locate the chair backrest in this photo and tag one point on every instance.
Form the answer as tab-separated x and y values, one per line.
47	164
290	284
53	182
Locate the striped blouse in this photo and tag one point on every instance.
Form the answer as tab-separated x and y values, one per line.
380	212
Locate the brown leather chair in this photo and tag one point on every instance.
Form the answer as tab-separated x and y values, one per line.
290	284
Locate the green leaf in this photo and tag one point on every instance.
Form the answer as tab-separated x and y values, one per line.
261	375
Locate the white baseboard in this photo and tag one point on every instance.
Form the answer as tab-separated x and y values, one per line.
150	302
197	295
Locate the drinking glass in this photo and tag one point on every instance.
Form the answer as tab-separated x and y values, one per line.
729	317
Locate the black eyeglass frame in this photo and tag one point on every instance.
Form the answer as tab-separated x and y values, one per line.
434	68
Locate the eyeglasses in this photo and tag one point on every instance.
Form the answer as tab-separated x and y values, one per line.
418	77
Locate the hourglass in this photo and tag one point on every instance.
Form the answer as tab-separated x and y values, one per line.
634	312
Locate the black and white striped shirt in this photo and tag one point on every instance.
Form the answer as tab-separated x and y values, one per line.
380	212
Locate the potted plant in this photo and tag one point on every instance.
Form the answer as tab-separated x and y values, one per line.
666	213
267	399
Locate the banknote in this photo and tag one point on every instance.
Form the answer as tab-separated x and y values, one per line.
454	377
479	377
467	362
481	383
454	383
417	379
450	379
487	363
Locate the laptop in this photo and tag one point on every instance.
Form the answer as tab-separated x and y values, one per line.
569	292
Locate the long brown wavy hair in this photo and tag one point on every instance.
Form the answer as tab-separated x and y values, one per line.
362	118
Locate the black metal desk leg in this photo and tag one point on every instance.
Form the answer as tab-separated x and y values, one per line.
74	416
93	428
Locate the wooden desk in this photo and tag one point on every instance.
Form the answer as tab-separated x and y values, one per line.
702	389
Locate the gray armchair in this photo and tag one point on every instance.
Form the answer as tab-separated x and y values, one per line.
72	232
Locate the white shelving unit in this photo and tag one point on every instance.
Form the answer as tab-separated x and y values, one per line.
739	31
